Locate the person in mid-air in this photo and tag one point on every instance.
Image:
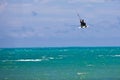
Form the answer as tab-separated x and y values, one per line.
83	24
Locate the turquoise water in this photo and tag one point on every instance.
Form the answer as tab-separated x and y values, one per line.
72	63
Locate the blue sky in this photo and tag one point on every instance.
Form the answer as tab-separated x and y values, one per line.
48	23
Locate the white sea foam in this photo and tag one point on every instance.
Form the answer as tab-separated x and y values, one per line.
81	73
90	65
29	60
43	58
51	57
24	60
109	55
115	55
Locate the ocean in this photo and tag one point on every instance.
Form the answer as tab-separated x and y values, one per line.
60	63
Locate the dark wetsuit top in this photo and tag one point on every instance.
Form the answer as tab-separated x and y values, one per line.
82	23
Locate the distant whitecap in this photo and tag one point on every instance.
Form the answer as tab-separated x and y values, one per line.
29	60
51	57
81	73
24	60
115	55
90	65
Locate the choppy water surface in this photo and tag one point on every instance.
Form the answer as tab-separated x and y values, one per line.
73	63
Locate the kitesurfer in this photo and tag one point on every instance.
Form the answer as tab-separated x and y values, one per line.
83	24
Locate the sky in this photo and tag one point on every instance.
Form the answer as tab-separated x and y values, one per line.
54	23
